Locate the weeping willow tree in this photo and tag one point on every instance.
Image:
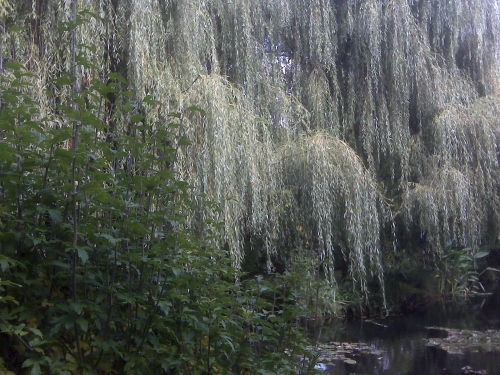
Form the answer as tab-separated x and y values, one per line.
328	125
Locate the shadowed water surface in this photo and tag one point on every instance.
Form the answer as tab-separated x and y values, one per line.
399	345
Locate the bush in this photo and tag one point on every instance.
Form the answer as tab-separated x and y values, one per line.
99	272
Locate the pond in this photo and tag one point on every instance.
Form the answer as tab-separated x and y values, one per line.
460	336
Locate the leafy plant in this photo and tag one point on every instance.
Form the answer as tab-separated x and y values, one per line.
100	270
315	294
458	271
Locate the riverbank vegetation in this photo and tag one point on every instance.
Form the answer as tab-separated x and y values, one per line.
338	146
100	271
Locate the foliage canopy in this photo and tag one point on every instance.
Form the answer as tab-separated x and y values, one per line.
354	128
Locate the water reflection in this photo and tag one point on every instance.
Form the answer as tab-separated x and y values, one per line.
399	343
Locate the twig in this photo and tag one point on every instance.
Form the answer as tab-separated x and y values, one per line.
20	338
192	83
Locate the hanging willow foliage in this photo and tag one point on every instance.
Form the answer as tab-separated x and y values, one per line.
459	201
317	112
338	200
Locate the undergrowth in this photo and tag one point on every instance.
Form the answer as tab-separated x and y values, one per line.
99	272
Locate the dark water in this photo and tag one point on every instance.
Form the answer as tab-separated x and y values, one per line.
401	340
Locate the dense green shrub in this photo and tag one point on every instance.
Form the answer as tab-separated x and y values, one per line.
99	271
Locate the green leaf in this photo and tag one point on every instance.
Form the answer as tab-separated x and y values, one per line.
9	298
35	370
165	306
110	238
127	107
184	141
56	263
148	99
125	298
63	154
481	254
69	26
136	118
9	283
128	94
65	80
117	77
14	65
39	240
76	307
194	108
36	332
92	187
82	254
104	197
83	323
55	215
176	271
5	263
15	28
85	12
87	371
83	61
79	101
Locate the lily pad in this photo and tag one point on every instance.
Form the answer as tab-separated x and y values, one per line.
344	351
470	370
460	341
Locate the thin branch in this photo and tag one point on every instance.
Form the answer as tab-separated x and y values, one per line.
20	338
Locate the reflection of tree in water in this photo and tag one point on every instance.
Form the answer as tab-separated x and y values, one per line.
409	345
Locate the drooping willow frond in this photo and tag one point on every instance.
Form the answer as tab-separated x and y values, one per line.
460	201
313	110
338	199
446	211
